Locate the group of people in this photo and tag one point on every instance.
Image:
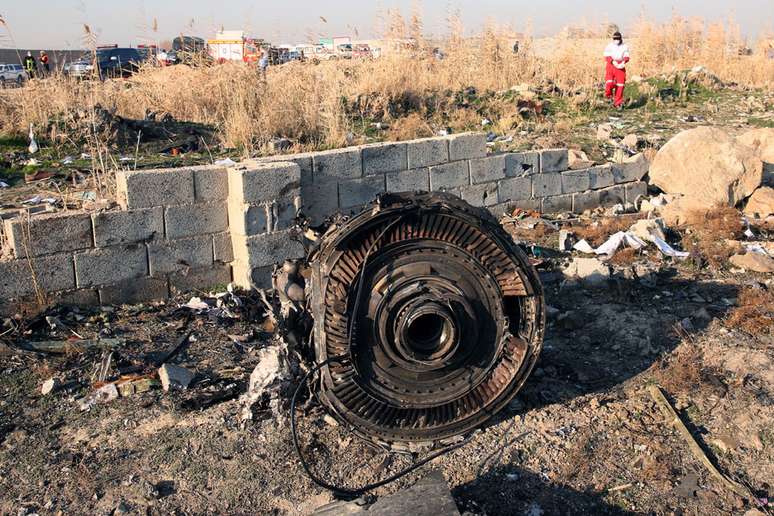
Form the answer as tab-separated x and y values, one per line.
31	64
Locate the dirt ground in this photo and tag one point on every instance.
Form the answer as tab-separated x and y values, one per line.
583	436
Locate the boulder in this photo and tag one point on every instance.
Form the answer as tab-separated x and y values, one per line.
679	210
755	262
762	142
578	160
591	271
761	203
708	166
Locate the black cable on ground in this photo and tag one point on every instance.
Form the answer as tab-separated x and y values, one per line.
344	492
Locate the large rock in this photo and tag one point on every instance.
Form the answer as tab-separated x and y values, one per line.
753	262
708	166
761	203
762	143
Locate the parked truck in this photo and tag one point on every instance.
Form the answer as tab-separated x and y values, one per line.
235	45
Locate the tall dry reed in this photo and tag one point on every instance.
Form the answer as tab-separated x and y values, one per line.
309	102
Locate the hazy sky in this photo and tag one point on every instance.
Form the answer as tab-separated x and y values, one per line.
59	23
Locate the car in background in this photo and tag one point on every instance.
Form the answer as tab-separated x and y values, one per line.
12	74
361	51
111	62
344	51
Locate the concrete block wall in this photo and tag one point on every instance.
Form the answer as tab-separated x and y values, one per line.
171	233
189	228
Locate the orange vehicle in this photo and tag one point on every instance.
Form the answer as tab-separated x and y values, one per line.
234	45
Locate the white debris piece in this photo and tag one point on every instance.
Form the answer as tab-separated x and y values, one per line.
271	371
175	377
49	386
228	162
196	303
667	249
33	148
104	394
3	184
611	245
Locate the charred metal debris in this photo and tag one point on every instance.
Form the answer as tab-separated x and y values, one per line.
422	315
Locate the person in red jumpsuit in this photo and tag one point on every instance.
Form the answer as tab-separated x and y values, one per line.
616	57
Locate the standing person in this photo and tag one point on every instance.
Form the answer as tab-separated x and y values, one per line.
30	65
616	57
44	62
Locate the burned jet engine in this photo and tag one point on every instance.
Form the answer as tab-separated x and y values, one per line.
429	319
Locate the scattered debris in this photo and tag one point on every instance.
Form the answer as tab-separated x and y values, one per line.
103	394
49	386
175	377
674	419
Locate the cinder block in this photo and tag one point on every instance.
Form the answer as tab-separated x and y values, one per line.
48	234
634	190
196	219
137	290
612	195
467	146
545	185
303	160
417	180
520	164
527	204
449	175
265	250
257	183
557	204
632	169
554	160
514	189
339	164
480	195
583	201
485	170
110	265
222	249
319	200
175	255
500	209
52	273
283	214
427	152
247	219
379	158
357	192
128	227
199	279
246	276
78	297
210	183
149	188
575	181
601	176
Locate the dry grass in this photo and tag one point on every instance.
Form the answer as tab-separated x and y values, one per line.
597	232
709	233
680	372
321	105
754	313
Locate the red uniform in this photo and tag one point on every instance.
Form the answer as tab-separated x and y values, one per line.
616	57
